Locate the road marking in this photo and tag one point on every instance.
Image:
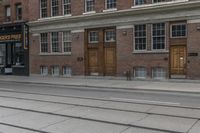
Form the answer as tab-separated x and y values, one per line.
6	89
143	101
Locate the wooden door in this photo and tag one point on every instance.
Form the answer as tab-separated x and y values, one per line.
93	61
178	60
109	59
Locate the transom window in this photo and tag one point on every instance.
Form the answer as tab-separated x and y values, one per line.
140	2
93	36
54	8
110	35
67	7
67	41
44	42
158	36
19	12
89	5
55	42
140	37
43	8
178	30
110	4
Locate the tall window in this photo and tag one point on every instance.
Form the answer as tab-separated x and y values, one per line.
89	5
158	36
140	37
140	2
67	7
178	30
19	12
54	8
43	8
7	13
93	36
44	42
54	42
110	4
110	35
67	41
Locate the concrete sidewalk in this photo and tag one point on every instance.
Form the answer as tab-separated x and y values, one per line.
187	86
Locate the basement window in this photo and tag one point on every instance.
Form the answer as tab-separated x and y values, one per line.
158	73
44	70
140	72
55	71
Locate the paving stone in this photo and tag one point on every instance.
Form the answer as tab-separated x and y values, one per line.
9	129
167	123
32	120
84	126
140	130
193	113
115	116
195	128
4	112
127	106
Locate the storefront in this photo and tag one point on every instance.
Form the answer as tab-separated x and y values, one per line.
14	52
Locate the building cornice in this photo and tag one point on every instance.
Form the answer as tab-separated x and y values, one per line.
142	13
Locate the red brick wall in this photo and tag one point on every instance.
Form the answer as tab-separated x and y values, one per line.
193	46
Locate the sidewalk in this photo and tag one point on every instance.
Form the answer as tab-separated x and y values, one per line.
187	86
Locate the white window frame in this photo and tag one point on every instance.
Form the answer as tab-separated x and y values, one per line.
68	41
41	10
68	14
134	38
44	72
163	73
113	38
18	6
69	71
52	43
139	4
52	9
106	7
89	37
53	71
87	5
140	77
41	43
165	41
171	36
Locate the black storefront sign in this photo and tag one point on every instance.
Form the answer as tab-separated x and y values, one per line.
14	53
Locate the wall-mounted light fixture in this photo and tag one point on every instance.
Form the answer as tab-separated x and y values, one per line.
124	33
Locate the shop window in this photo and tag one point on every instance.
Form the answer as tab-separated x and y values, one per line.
111	4
93	37
2	54
43	8
55	42
140	37
178	30
7	13
67	41
55	71
110	35
140	72
44	70
67	71
18	59
44	42
158	73
158	37
54	8
67	7
18	12
89	5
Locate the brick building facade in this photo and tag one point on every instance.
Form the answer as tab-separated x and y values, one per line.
14	38
152	39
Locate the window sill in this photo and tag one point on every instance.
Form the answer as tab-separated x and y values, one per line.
110	10
54	54
91	12
151	52
7	22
